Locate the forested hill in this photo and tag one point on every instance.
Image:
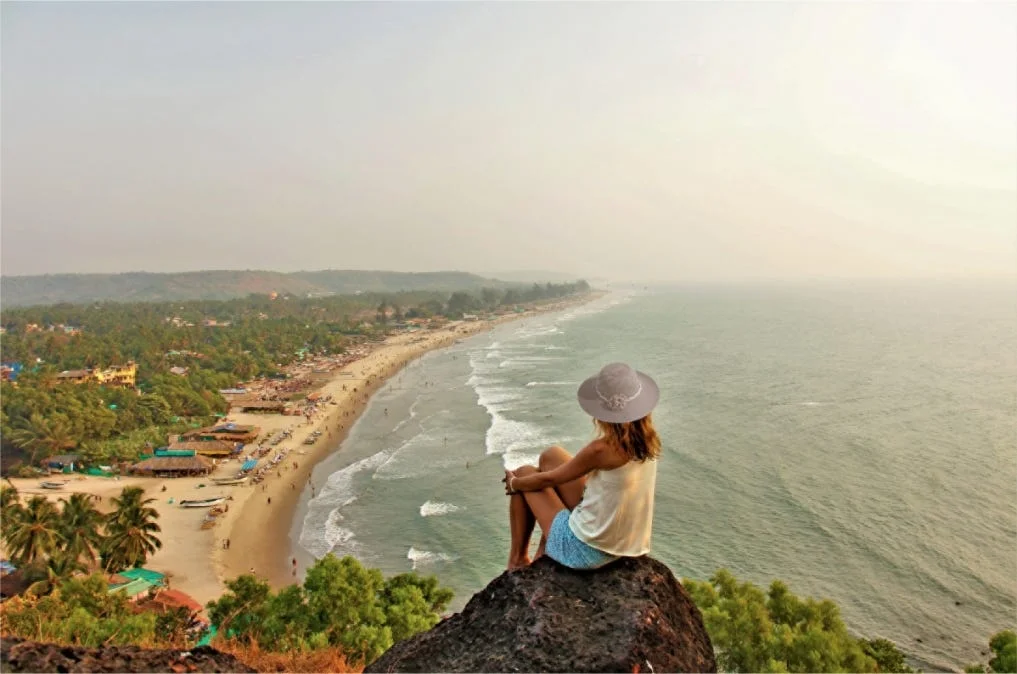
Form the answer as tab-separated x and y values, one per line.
221	285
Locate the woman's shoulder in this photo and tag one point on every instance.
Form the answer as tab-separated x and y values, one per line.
607	455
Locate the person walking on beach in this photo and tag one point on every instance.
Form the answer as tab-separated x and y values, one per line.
597	506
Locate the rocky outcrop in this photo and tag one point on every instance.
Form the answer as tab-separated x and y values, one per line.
631	616
26	656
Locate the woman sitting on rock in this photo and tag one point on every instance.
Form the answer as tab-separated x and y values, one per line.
596	506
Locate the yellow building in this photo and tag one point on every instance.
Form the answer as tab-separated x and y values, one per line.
115	375
119	375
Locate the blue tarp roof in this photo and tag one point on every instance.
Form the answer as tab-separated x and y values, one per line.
249	464
153	577
132	589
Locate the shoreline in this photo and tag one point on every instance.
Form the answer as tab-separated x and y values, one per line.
259	533
194	559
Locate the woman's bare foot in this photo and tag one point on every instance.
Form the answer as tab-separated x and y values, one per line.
521	563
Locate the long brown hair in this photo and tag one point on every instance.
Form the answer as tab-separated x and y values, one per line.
637	439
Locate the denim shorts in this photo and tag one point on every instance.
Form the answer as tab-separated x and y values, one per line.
565	548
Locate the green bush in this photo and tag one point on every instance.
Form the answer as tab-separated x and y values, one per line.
1004	649
341	604
776	631
79	612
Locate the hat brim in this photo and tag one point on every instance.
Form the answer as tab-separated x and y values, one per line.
636	409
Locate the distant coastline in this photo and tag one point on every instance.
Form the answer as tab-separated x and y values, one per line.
26	291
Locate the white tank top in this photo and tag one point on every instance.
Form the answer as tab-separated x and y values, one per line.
616	513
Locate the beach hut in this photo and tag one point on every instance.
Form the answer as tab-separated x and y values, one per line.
163	451
216	448
154	577
133	590
227	432
63	462
172	599
173	466
277	406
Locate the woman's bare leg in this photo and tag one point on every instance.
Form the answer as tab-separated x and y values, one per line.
521	522
570	493
542	505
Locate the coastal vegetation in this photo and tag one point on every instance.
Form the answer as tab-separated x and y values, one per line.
81	611
228	284
186	352
1004	650
50	544
340	604
344	613
754	630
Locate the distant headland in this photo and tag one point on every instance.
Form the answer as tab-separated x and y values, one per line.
229	284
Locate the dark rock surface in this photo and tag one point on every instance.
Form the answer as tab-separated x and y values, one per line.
631	616
27	656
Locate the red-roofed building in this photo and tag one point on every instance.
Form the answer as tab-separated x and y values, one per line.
170	600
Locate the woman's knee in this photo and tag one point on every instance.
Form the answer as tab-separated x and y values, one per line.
525	470
552	457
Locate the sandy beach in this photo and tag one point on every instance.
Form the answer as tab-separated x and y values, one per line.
259	518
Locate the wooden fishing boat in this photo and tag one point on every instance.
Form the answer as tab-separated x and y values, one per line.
52	485
202	503
230	480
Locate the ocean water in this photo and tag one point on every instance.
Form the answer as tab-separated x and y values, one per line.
857	442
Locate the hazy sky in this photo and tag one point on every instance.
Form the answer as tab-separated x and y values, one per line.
658	141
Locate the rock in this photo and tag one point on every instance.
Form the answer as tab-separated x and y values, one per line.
17	655
631	616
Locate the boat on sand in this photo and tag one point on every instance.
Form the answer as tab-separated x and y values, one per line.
202	503
239	479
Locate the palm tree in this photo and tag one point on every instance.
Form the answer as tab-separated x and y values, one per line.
36	434
80	528
58	568
130	530
34	534
10	510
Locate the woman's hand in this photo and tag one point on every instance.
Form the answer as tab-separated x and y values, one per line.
508	482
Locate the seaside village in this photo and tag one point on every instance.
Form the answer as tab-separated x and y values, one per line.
201	479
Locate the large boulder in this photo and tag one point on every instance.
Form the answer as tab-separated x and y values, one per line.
27	656
631	616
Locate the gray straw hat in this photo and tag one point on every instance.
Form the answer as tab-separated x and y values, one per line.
618	394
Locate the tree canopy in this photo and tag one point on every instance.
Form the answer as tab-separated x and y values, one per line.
56	543
1004	651
215	344
341	603
775	631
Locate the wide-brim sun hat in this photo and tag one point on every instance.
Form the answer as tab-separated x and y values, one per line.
618	394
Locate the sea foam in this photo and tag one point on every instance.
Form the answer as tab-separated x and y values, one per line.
434	508
322	532
422	557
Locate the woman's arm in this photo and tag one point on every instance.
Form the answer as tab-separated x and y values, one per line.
591	457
